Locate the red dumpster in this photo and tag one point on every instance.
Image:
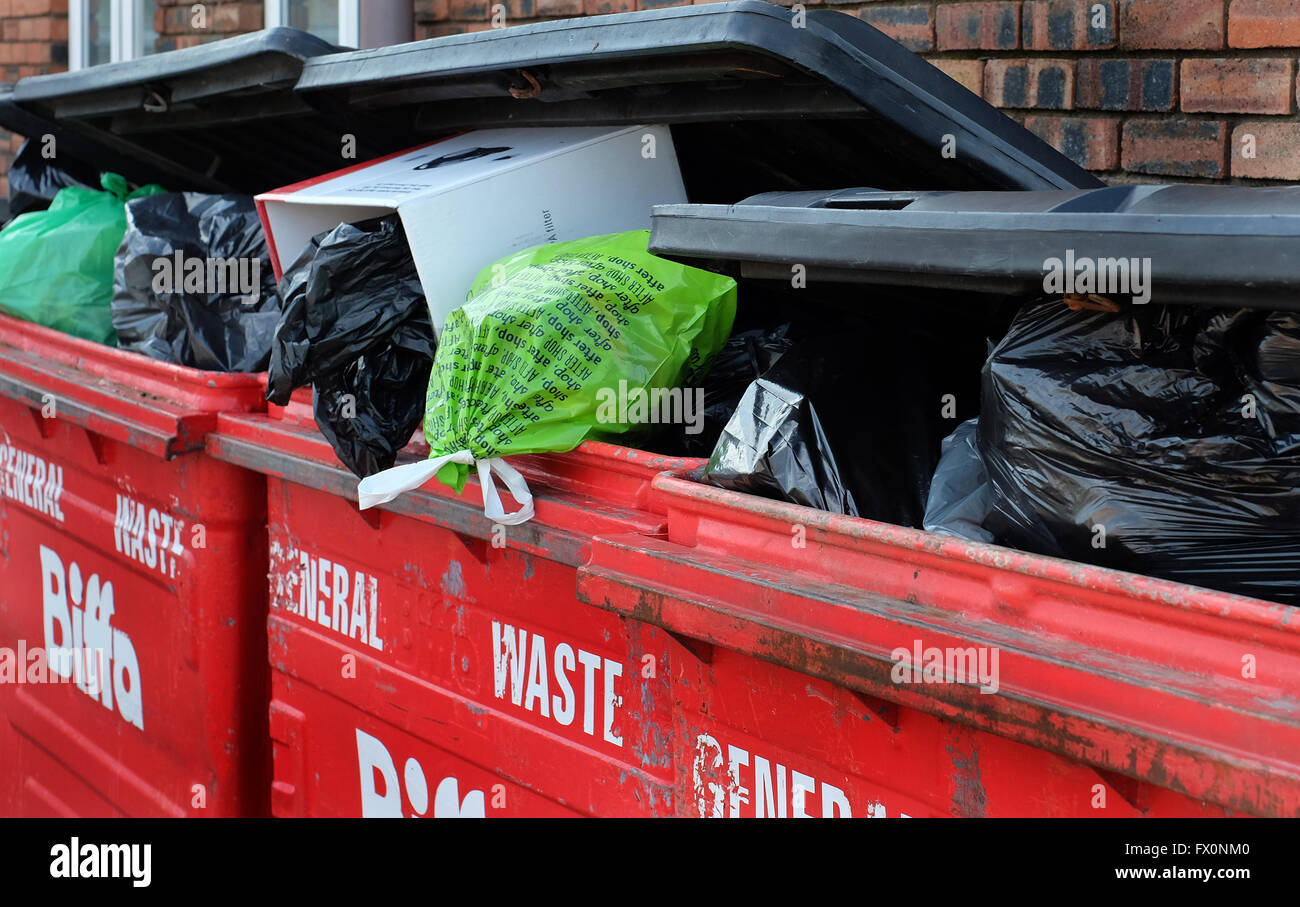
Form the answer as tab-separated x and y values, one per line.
121	537
118	533
647	645
1163	698
1117	694
427	663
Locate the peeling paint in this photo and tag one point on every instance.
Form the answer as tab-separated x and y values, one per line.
453	581
969	799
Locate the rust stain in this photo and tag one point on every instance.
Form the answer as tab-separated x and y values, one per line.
969	798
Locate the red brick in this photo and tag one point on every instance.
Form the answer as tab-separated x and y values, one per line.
1169	147
970	73
1118	84
978	26
1237	86
910	26
6	7
1264	23
37	29
1276	150
559	7
469	10
234	17
1091	142
1067	25
1183	24
1044	84
430	10
601	7
175	21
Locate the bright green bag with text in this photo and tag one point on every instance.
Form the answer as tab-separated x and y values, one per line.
548	350
56	265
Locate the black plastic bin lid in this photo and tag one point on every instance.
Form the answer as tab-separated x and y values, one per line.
756	102
217	117
1216	245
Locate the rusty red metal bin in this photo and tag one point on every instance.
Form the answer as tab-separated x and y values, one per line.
120	536
1114	694
663	649
428	663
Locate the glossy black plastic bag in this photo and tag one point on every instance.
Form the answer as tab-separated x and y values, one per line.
851	418
369	410
192	283
745	357
356	326
1164	441
34	180
775	447
961	498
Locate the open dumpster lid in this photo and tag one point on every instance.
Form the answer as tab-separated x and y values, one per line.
216	117
756	102
1215	245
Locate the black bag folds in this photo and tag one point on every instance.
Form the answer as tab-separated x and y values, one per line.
745	357
34	179
192	282
850	419
1164	440
356	326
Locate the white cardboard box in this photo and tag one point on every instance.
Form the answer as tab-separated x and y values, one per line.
470	199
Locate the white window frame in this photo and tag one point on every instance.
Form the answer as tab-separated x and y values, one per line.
276	13
123	27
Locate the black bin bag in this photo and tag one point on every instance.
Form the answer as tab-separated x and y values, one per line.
745	357
1164	440
356	326
34	179
192	283
851	418
960	496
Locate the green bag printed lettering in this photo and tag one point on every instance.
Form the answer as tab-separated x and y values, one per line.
548	343
56	265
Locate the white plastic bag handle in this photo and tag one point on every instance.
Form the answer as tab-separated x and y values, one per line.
384	486
492	507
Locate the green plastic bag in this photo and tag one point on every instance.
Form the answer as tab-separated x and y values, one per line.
546	352
56	265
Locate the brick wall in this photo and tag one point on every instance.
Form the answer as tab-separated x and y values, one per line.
33	40
178	26
1136	90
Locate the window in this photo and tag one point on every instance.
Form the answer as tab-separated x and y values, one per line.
103	31
100	31
337	21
